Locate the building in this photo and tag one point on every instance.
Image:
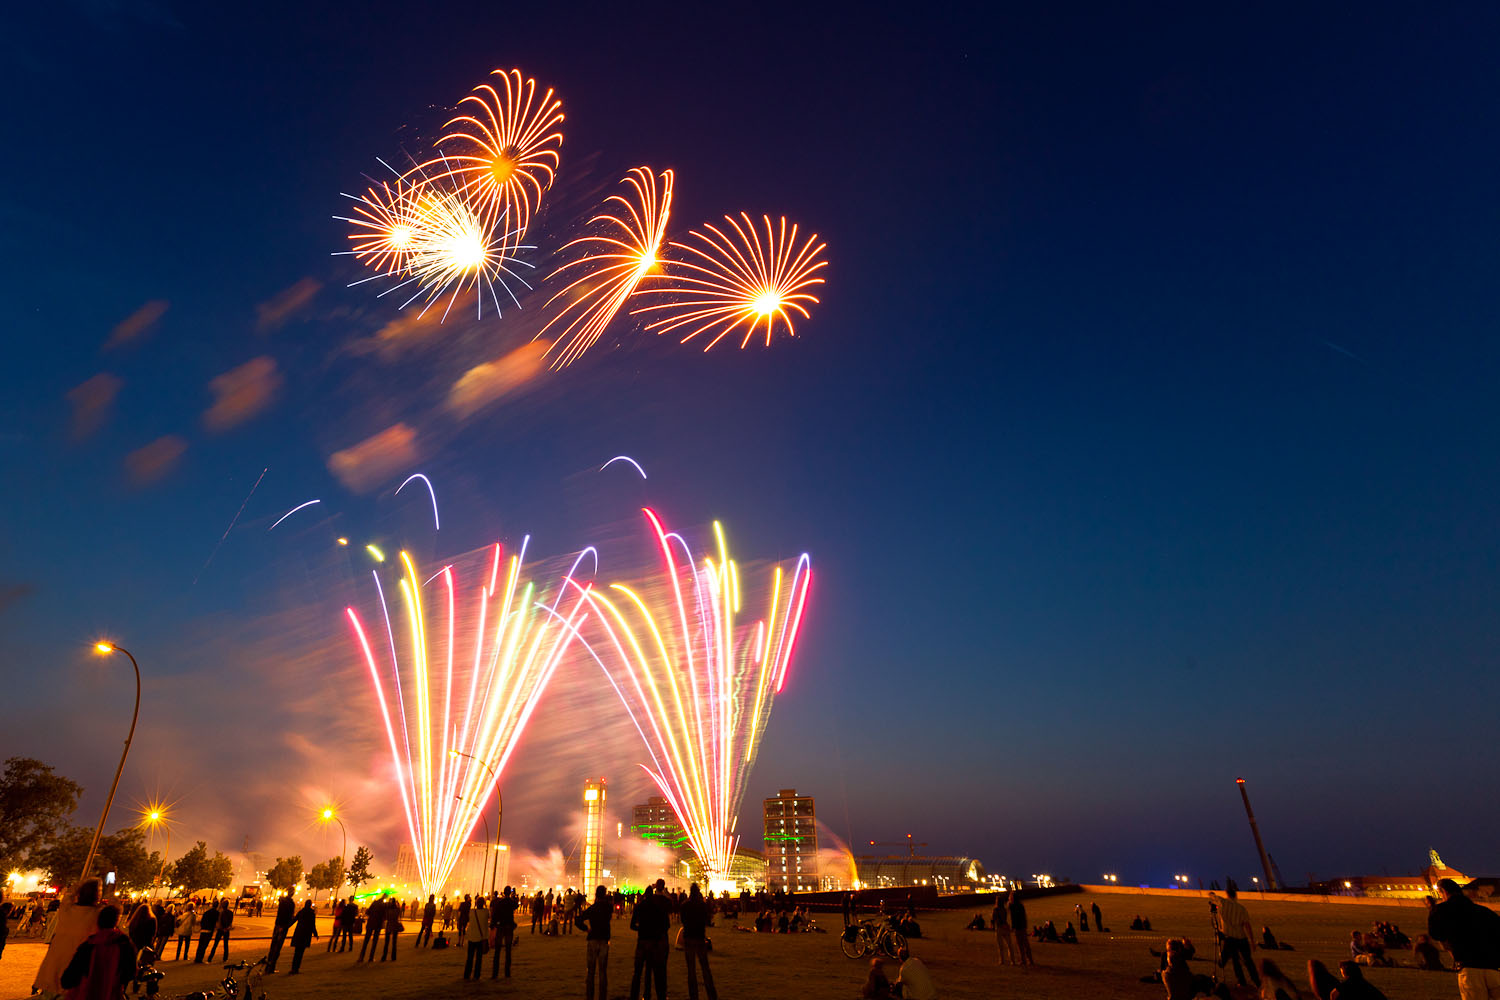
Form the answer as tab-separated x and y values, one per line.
471	872
948	874
592	870
791	842
654	820
1423	885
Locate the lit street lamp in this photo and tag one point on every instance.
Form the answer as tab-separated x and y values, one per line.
104	647
154	819
499	813
330	815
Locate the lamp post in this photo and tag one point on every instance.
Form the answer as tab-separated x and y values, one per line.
330	815
499	813
104	647
486	821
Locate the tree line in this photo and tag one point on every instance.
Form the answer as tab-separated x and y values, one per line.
36	803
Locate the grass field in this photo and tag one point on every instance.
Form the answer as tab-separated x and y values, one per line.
963	963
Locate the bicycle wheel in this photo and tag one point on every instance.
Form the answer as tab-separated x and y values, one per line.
893	943
855	947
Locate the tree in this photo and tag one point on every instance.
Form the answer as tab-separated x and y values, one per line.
196	870
220	872
359	872
326	875
122	852
285	873
36	804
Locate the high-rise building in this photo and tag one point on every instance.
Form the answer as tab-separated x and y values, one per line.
791	842
654	820
591	873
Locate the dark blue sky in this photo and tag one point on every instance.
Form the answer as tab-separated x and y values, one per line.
1144	437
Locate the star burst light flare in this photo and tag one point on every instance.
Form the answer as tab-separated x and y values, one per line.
610	263
697	684
462	671
502	149
735	277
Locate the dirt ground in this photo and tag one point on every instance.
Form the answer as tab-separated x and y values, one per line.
1103	966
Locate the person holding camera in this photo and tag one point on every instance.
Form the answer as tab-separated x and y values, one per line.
1232	922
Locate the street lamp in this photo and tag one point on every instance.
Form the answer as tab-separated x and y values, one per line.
330	815
499	812
104	647
156	817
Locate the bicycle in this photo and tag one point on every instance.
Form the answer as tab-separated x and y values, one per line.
859	940
255	974
152	977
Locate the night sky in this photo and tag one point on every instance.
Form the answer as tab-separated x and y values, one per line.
1144	437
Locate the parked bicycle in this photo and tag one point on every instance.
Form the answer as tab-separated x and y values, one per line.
865	937
254	973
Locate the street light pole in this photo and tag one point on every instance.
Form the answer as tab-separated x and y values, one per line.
499	816
105	648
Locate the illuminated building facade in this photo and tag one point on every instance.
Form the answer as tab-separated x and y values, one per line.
471	873
592	870
948	874
791	842
654	820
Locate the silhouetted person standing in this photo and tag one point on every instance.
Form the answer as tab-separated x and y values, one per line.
1233	922
476	935
429	916
595	920
537	905
304	929
1098	916
286	915
503	924
694	918
1472	933
374	924
393	930
206	925
1016	911
221	930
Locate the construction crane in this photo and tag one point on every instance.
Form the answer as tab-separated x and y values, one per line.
910	845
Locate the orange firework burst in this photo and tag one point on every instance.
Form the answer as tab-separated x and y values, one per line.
502	148
387	225
611	263
731	278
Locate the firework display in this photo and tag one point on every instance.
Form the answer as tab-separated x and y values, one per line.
697	684
457	219
610	263
457	677
731	279
502	151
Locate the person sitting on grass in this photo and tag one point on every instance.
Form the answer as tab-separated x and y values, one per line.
1354	985
1427	955
876	987
913	982
1181	982
1069	935
1274	985
1321	980
977	924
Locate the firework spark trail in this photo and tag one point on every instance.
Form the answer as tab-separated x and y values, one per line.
483	658
697	686
610	263
624	458
232	522
283	517
502	149
436	526
731	278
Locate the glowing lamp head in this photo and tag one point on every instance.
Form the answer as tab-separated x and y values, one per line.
104	647
327	815
154	815
766	303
